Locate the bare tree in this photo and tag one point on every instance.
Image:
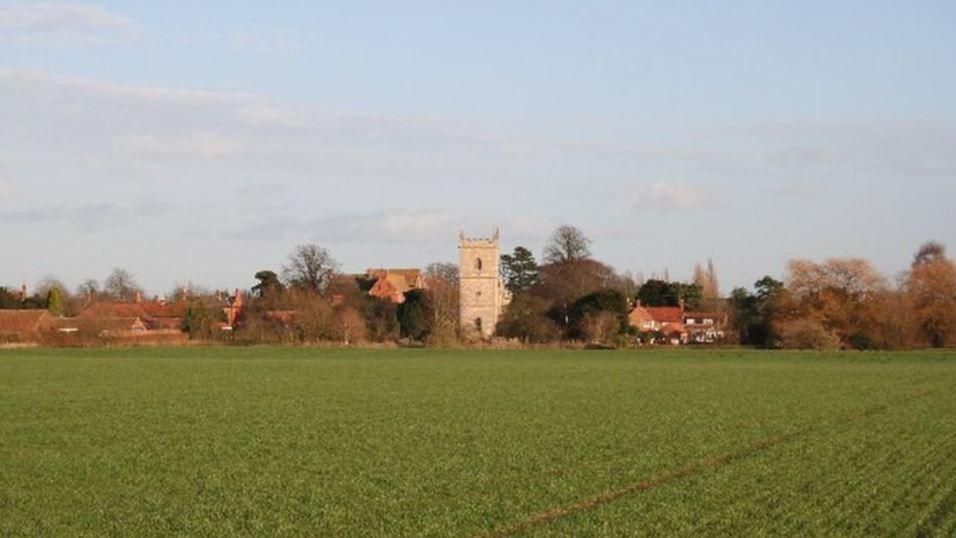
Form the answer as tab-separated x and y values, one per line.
350	325
706	280
447	272
443	288
88	289
121	285
567	244
310	267
47	283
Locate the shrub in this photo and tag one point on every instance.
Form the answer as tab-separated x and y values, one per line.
807	334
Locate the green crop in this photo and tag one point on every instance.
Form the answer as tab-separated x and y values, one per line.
306	441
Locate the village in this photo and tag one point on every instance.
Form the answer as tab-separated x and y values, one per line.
482	301
503	299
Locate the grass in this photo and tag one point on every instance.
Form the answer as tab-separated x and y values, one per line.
292	441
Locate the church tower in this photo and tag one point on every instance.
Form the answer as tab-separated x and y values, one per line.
482	295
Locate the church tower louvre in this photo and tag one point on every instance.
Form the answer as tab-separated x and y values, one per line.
482	294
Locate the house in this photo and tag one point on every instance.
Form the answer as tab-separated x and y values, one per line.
391	284
704	327
676	325
24	325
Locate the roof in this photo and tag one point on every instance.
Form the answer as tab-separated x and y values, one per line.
713	315
114	310
404	279
145	310
24	321
665	314
99	324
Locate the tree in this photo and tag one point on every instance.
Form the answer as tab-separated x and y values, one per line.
120	285
442	282
706	280
931	288
929	252
525	319
445	272
657	292
269	284
89	290
755	314
200	321
415	315
9	299
519	270
567	244
55	301
807	334
314	318
561	284
839	293
310	267
381	317
349	325
593	314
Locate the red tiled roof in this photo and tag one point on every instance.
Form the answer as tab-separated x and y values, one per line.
713	315
175	309
665	314
114	310
412	277
24	321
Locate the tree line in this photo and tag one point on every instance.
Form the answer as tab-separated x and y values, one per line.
567	296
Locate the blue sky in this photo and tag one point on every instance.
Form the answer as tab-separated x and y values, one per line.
202	141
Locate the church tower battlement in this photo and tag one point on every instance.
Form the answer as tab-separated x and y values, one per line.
482	296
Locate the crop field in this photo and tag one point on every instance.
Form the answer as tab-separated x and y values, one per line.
301	441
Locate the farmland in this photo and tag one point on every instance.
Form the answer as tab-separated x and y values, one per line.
261	440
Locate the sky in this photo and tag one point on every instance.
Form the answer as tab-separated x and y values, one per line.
201	141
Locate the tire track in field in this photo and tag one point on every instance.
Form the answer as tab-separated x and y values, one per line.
609	496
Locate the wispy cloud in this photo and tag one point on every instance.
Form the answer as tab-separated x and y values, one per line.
393	227
662	196
87	216
191	144
64	23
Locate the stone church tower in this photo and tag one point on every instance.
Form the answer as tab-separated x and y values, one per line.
483	297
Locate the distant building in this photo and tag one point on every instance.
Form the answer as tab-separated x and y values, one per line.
704	327
674	325
482	294
391	284
24	325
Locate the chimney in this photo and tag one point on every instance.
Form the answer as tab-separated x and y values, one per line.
23	292
237	298
681	303
139	297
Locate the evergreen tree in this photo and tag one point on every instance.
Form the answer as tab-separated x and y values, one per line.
54	301
519	270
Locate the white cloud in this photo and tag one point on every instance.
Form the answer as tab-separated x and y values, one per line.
64	23
661	196
194	144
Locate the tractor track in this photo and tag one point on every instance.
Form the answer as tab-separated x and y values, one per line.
656	480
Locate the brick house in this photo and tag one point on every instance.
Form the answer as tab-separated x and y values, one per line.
675	325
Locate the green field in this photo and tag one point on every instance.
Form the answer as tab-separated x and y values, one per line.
292	441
